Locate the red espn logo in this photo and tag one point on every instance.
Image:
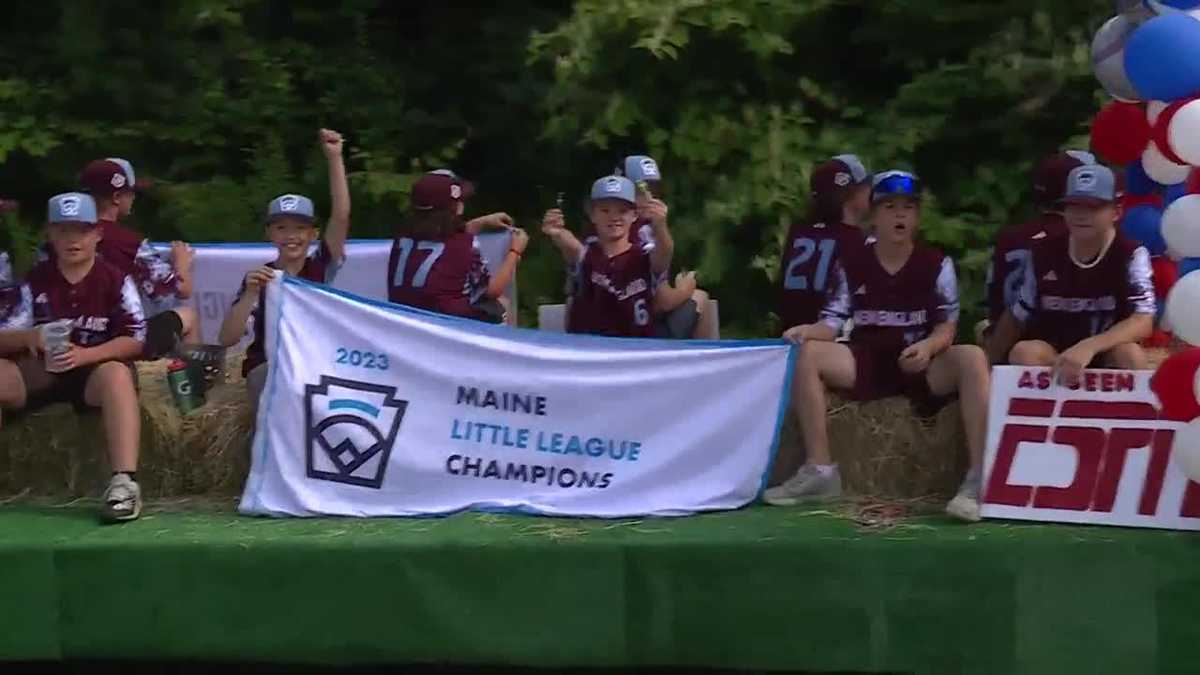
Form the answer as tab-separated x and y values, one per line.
1101	453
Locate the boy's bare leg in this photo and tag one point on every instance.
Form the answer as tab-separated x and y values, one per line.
12	387
1128	356
821	365
110	388
1033	353
190	333
964	369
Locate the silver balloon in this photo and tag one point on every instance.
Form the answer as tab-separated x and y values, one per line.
1108	57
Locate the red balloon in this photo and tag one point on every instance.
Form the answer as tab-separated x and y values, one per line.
1120	132
1129	201
1175	384
1193	182
1166	273
1161	127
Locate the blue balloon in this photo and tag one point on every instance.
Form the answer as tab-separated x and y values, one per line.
1137	182
1162	57
1174	192
1182	5
1143	224
1188	265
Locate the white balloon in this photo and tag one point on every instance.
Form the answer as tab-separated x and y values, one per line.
1182	302
1108	57
1154	109
1181	226
1162	170
1186	454
1184	133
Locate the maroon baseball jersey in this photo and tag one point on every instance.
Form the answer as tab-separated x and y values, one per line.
152	273
810	255
319	267
446	275
614	296
892	311
103	305
1062	303
1006	273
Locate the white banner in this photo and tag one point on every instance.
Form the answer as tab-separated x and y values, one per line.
373	409
1098	453
219	269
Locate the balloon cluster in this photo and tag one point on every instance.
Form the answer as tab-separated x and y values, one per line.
1147	57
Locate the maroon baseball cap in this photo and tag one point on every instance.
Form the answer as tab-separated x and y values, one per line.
840	172
440	189
103	178
1050	174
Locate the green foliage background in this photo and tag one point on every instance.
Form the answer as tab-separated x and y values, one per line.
219	102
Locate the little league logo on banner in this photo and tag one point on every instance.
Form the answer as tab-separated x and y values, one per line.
377	410
218	270
1099	453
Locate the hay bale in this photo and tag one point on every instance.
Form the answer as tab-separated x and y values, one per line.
884	450
56	453
206	452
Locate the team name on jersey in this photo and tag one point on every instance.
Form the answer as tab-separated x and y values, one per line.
635	287
98	324
1056	303
878	317
41	312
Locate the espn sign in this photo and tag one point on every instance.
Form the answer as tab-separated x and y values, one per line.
1098	453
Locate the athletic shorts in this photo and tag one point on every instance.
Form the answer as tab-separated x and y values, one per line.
43	388
163	333
678	324
877	375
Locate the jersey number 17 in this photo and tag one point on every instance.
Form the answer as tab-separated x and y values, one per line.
435	249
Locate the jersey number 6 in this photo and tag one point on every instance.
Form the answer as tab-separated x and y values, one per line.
640	316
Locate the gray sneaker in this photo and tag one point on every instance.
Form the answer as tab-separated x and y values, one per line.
965	505
807	485
122	500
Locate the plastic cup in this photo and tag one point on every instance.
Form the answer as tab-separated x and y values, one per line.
56	337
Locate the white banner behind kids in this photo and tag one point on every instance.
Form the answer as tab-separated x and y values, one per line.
376	410
218	270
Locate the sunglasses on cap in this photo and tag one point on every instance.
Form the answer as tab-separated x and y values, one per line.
895	184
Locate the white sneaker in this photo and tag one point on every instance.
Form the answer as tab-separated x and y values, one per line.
122	500
965	505
809	484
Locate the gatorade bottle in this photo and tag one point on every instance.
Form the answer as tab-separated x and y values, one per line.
183	389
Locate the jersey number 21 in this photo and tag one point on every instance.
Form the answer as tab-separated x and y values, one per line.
805	248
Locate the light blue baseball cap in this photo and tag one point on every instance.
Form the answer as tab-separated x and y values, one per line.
71	207
641	167
614	187
131	179
1092	184
291	206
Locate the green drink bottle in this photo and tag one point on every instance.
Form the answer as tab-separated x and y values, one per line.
184	391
